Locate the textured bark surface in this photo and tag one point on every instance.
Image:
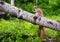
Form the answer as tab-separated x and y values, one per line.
12	2
19	13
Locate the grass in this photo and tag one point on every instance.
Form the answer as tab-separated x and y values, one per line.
18	27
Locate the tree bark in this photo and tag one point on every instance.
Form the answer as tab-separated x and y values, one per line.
2	13
21	14
12	2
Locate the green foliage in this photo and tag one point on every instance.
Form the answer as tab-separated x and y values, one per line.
49	7
8	1
13	29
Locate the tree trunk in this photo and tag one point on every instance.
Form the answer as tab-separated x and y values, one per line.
2	13
12	2
21	14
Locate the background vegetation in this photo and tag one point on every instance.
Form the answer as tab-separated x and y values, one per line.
18	30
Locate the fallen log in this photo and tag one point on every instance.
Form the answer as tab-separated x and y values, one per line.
21	14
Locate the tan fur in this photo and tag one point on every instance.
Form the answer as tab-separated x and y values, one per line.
39	12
